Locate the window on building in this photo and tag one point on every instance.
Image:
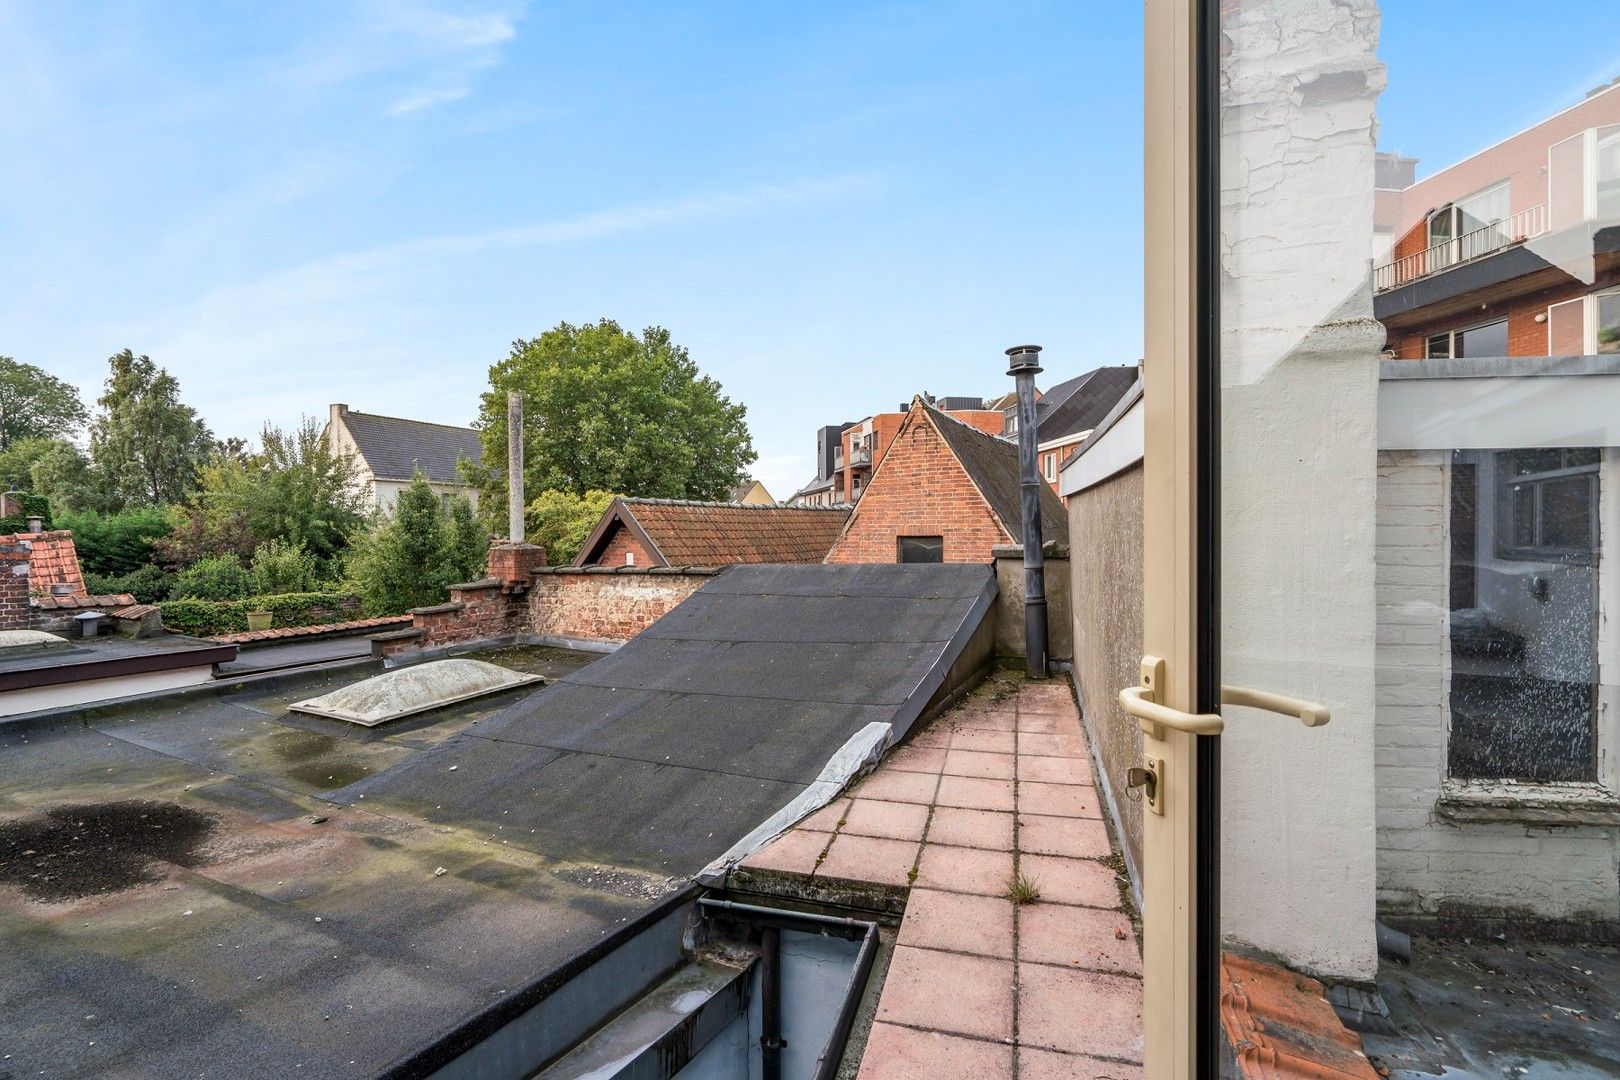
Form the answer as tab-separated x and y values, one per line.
924	549
1466	225
1524	614
1608	173
1049	464
1608	322
1487	339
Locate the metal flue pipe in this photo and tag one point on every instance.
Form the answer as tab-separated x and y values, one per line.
514	467
1023	364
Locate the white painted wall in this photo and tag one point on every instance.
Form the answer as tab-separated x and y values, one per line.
1426	862
1298	487
64	695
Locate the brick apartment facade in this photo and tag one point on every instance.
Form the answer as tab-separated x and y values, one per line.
947	486
1513	251
867	441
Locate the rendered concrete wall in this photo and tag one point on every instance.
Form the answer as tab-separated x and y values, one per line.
1105	523
1299	374
1429	864
1009	613
65	695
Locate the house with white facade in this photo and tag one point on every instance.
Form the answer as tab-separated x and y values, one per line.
388	451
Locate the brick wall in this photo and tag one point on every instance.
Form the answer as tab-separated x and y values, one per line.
14	609
1526	337
623	542
602	604
1429	864
921	490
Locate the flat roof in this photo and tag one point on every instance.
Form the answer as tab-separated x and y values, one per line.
105	657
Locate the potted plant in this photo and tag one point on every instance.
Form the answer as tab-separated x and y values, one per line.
258	620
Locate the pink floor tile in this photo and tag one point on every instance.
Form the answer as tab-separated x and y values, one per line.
969	870
911	758
1077	937
1048	723
1075	838
975	793
936	734
995	742
895	820
950	992
870	859
898	1053
979	763
896	786
1000	718
1058	800
1068	881
1034	1064
975	828
1051	745
826	819
791	853
957	922
1081	1012
1054	770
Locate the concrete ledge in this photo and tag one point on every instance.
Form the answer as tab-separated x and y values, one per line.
629	571
438	609
1054	549
1529	804
481	583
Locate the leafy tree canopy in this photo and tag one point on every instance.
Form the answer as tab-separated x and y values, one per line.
411	558
145	444
63	475
606	410
35	404
559	521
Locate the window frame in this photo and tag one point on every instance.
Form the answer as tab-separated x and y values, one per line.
900	548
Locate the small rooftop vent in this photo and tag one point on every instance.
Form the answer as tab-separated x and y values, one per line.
412	690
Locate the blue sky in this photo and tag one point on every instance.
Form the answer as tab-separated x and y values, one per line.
832	205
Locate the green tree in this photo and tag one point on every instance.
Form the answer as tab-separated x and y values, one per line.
605	410
35	404
217	577
63	475
559	521
279	567
466	541
294	489
115	543
145	444
405	561
17	461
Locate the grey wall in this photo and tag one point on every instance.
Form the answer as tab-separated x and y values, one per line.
1010	604
1105	525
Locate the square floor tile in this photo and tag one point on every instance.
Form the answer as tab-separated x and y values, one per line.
913	758
1038	723
979	763
960	869
791	853
936	734
870	859
1000	718
896	786
958	922
895	820
1076	937
1068	881
975	793
950	992
994	742
1058	800
1075	838
899	1053
1081	1012
826	819
1051	745
1054	770
975	828
1036	1064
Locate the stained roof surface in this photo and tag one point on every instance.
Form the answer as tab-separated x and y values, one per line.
725	534
395	448
216	887
992	463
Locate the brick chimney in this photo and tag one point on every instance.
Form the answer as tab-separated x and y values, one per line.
14	566
11	504
513	565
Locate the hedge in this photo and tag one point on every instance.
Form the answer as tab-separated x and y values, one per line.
205	618
32	505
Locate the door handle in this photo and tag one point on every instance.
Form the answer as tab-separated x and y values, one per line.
1138	702
1307	712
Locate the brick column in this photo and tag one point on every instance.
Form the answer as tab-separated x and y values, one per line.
14	564
513	565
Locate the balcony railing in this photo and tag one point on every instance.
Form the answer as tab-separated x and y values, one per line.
1525	225
860	455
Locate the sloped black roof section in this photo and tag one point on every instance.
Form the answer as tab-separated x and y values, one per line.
396	448
1087	400
993	465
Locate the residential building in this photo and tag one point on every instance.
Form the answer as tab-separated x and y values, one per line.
1514	251
49	590
946	491
822	491
752	493
866	441
671	532
389	451
1068	412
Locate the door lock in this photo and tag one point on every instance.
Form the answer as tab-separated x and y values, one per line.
1146	776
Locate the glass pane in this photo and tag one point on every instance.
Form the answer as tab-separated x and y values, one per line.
1608	174
921	549
1608	323
1488	340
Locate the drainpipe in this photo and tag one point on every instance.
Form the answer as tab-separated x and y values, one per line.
770	1004
514	467
1023	364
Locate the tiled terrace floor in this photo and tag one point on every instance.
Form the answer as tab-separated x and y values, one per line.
980	986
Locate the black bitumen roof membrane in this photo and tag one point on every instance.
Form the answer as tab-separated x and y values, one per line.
330	901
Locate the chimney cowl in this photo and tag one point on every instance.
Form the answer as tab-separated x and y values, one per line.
36	524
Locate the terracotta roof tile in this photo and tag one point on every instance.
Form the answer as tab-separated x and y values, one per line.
1281	1026
53	560
721	534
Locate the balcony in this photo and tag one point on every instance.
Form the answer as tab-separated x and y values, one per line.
1485	240
860	455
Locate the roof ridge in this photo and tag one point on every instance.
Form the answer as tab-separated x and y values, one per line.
644	501
408	420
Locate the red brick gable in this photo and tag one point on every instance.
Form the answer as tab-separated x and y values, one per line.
920	489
